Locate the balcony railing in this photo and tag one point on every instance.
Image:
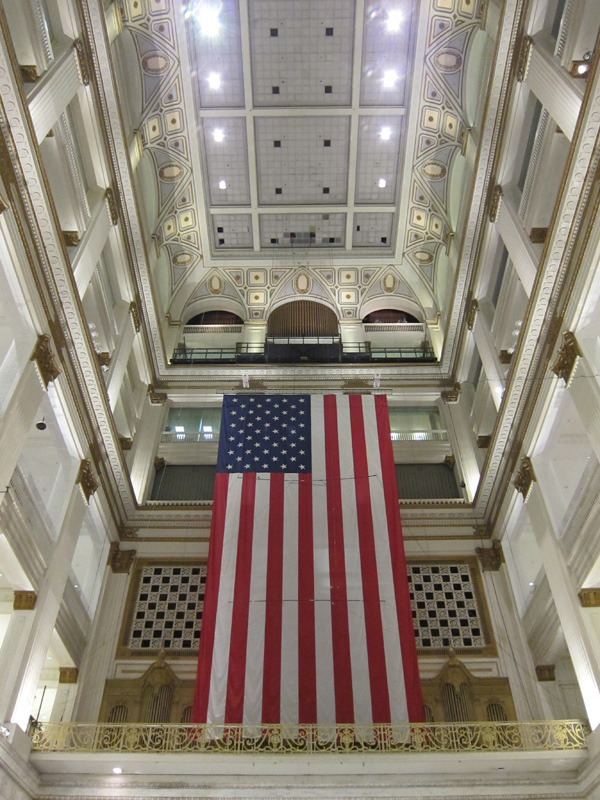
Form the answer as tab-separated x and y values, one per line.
561	735
170	437
302	349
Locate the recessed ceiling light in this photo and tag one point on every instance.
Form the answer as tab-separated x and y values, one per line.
393	21
385	133
222	184
208	19
214	80
382	183
117	770
218	134
390	76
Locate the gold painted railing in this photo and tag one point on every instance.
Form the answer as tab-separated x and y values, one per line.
415	738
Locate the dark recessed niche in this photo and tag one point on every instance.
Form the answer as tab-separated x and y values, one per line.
384	240
221	241
219	230
326	142
278	190
358	227
326	190
331	239
274	89
276	143
274	31
273	241
328	89
328	31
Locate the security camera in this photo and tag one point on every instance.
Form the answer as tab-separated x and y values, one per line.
41	425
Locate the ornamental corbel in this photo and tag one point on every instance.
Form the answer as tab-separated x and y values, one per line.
472	313
120	561
44	360
82	62
452	395
490	558
156	398
87	480
525	479
495	201
567	358
111	204
134	313
524	58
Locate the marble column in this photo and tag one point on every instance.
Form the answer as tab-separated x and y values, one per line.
12	652
490	360
524	255
118	364
50	96
90	248
62	707
462	438
145	443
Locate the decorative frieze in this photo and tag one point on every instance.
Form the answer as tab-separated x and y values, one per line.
120	561
545	672
472	313
524	58
24	600
451	395
525	478
68	674
44	360
589	598
567	357
82	62
495	201
156	398
490	558
86	479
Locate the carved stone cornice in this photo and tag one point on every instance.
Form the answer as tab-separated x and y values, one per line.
103	359
495	201
120	561
24	600
490	558
134	313
82	62
525	477
113	209
472	313
567	357
86	479
126	442
523	58
44	360
156	398
451	395
68	674
545	672
589	598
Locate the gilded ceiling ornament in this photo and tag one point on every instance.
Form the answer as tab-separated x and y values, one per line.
134	312
44	360
472	313
68	674
567	357
86	479
452	395
389	283
215	284
302	283
490	558
495	201
524	58
24	601
111	203
120	561
156	398
82	62
589	598
525	478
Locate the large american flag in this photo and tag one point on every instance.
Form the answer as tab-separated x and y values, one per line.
307	615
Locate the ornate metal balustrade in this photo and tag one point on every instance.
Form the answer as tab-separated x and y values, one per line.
281	739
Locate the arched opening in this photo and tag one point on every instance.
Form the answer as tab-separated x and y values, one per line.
302	318
219	317
390	316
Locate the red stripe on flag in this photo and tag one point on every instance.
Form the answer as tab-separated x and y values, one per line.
380	699
342	669
412	684
274	604
236	676
209	615
307	657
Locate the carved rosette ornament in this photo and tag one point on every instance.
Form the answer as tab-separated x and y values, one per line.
44	360
120	561
82	62
472	313
134	313
524	58
24	600
86	479
452	395
156	398
495	201
525	478
68	674
589	598
490	558
567	358
111	204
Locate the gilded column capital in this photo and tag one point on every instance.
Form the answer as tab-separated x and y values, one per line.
589	598
490	558
24	600
452	395
472	313
82	62
45	361
156	398
68	674
495	201
103	359
545	672
120	561
111	204
134	312
524	58
525	477
86	479
567	357
126	442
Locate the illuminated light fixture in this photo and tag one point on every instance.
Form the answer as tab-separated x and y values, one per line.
393	21
208	19
117	770
385	134
214	81
581	67
390	76
218	134
222	184
382	183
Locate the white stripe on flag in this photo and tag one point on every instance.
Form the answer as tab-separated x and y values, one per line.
289	632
